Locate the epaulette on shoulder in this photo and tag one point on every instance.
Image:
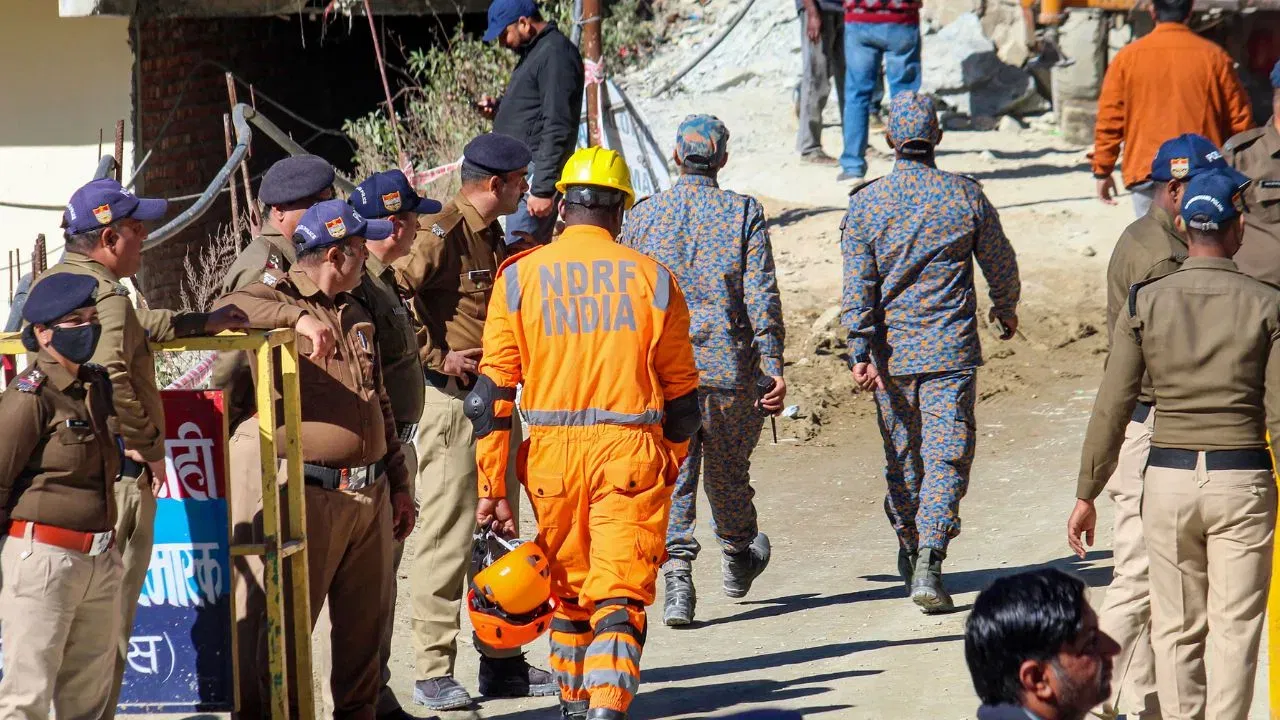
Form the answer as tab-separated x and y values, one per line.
443	222
31	381
862	186
970	178
1133	294
271	277
1243	139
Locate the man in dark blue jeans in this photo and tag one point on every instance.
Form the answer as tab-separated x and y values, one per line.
875	31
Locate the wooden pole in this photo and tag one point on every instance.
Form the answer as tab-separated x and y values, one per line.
231	186
591	51
10	277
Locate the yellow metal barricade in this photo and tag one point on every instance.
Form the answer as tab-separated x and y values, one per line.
280	544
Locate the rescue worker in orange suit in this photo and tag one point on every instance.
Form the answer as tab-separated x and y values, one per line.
607	430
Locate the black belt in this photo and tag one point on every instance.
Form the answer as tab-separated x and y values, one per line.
440	381
354	478
1180	459
1141	412
131	469
406	432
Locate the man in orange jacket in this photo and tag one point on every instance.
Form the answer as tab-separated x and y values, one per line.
599	335
1167	83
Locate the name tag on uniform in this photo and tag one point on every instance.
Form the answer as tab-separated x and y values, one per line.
1269	184
400	310
77	424
364	341
479	275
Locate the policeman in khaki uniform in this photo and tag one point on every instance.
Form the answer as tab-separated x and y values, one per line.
104	234
1209	497
349	446
448	277
289	187
1256	153
59	458
387	195
1151	247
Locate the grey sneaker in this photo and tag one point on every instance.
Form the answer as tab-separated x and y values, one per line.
742	568
906	567
848	177
926	584
680	598
441	693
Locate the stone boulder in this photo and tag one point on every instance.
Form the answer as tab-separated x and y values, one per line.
963	69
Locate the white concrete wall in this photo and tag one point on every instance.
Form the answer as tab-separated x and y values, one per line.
61	80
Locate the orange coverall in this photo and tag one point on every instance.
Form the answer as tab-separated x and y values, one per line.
599	335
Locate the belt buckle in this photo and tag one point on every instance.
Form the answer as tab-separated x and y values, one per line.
355	478
101	542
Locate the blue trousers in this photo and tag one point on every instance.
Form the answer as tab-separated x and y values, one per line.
866	45
926	422
721	453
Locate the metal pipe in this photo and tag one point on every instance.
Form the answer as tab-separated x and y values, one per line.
106	168
706	50
273	131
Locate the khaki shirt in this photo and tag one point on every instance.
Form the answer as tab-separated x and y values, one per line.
58	456
1208	334
1150	247
449	275
346	415
397	340
1256	153
269	250
124	351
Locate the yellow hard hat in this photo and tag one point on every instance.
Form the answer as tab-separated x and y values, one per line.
598	167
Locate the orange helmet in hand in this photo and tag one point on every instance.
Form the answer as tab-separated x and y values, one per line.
510	602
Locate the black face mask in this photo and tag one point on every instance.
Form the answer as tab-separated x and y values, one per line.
76	344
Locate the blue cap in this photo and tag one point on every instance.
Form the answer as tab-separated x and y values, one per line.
1275	76
295	178
702	142
1184	157
504	12
387	193
1214	198
330	221
57	295
497	154
99	203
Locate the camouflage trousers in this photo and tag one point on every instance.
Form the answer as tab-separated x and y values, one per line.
926	422
721	453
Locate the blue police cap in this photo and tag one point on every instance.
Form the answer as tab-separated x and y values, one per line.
331	221
57	295
99	203
1275	76
388	193
504	12
497	153
1185	157
295	178
1214	198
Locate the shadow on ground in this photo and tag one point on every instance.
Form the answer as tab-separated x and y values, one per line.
794	215
957	583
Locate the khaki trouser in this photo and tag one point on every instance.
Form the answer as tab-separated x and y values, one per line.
1210	539
135	534
60	612
440	550
322	648
1126	611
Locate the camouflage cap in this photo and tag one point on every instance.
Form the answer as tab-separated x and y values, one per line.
702	142
913	123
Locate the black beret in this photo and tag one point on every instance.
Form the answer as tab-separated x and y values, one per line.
57	295
497	153
295	178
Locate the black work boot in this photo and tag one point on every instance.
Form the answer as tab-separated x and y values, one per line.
441	693
605	714
680	597
740	569
906	566
514	677
926	584
574	709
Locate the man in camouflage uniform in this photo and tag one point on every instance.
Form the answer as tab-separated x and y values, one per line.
717	244
908	241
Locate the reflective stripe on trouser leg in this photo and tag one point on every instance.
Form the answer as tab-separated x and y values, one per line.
613	658
570	636
899	419
731	428
946	402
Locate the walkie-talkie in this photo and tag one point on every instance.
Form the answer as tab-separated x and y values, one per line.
764	386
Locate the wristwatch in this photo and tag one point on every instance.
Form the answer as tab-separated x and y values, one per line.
861	357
